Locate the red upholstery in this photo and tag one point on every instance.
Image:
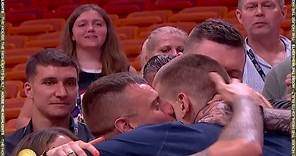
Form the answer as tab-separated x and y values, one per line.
169	4
228	3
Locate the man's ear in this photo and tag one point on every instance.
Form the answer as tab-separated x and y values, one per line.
238	15
284	11
123	125
28	90
184	104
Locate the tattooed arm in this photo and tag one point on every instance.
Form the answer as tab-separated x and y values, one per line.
277	120
244	134
237	138
274	119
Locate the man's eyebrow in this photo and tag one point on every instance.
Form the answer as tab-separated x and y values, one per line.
251	3
49	78
267	1
54	78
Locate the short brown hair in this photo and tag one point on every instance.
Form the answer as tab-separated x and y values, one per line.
189	74
103	101
46	57
215	30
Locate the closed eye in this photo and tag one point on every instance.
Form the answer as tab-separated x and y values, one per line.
156	103
165	50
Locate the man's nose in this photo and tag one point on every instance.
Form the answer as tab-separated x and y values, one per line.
174	52
61	90
259	11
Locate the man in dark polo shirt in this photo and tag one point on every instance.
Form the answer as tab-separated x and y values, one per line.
184	137
184	83
126	93
52	85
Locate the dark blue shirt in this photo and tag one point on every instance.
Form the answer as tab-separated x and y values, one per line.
168	139
175	139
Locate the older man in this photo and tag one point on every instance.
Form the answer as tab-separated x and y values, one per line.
265	47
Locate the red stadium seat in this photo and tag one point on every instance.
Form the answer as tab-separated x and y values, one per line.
136	63
12	107
10	126
9	46
18	15
19	67
139	21
288	34
17	18
169	4
15	75
30	29
15	4
163	14
127	32
231	14
99	2
132	48
57	23
63	11
17	40
46	43
51	4
121	9
12	88
11	61
53	35
220	10
192	17
22	51
114	19
286	25
228	3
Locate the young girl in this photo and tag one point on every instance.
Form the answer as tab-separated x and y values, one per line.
90	38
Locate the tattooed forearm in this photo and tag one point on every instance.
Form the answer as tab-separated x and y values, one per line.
245	111
277	120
